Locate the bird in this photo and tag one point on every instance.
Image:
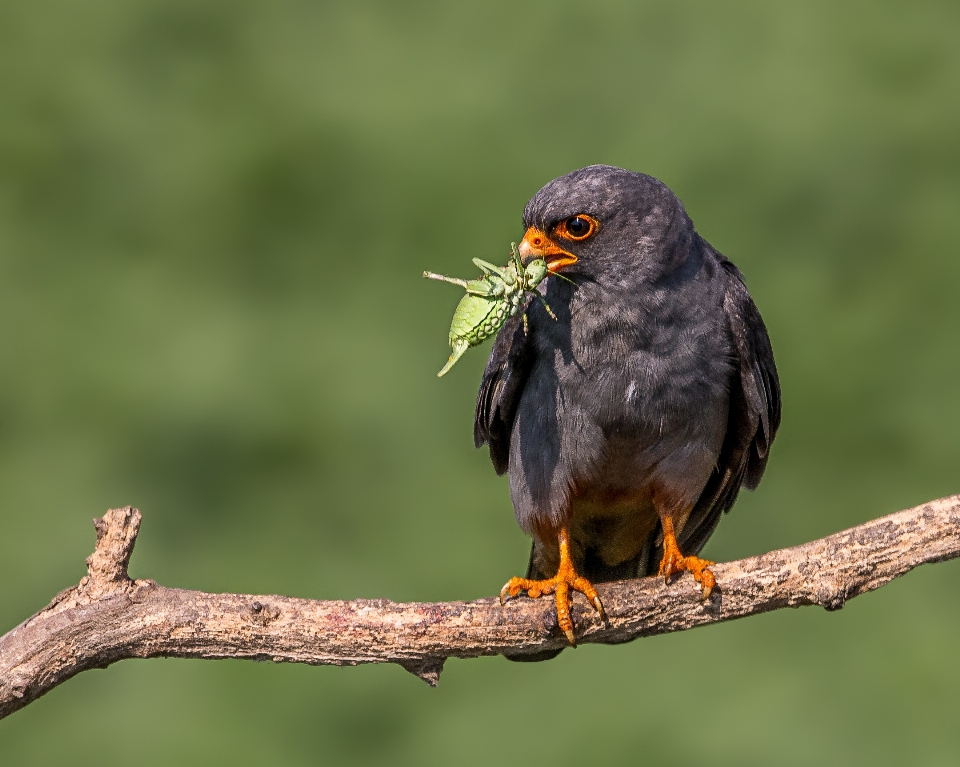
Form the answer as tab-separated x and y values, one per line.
630	416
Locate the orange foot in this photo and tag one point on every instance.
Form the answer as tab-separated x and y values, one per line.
560	585
674	562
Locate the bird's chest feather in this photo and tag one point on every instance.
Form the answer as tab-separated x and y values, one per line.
645	370
624	392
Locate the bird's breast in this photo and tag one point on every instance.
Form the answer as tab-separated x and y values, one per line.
641	367
624	392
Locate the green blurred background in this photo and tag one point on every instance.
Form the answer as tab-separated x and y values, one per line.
213	219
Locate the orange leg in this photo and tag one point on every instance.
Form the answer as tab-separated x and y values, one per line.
560	584
674	562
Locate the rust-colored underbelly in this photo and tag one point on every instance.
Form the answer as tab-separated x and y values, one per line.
613	524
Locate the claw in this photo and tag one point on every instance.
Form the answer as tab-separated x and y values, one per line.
674	562
598	606
512	588
561	584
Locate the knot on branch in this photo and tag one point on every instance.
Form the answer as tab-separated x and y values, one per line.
427	669
107	566
832	594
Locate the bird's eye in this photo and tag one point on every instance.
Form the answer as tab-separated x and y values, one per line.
577	227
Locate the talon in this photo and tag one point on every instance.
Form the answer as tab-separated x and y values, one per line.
598	606
706	579
674	562
511	589
561	584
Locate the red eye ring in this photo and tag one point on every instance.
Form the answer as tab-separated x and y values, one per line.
578	227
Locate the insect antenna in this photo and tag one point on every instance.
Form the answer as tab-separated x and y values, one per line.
557	274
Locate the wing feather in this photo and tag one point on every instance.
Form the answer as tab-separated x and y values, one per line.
500	390
754	413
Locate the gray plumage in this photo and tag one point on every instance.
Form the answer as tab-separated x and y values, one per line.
656	381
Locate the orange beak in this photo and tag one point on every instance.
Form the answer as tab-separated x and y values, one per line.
535	244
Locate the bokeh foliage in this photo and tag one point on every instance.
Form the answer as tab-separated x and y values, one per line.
213	218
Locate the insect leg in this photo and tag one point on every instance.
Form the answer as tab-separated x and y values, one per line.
487	268
485	287
516	257
545	305
442	278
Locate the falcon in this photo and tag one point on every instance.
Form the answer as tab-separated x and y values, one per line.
629	421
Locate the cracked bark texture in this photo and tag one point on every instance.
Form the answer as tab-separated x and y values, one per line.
108	617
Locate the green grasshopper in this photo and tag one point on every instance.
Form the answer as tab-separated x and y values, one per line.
491	300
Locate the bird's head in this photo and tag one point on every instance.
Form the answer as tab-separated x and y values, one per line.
608	224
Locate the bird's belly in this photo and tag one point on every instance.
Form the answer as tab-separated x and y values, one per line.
599	427
611	507
612	523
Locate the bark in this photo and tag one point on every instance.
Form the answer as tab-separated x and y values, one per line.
108	617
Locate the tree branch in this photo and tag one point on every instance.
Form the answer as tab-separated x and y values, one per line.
108	617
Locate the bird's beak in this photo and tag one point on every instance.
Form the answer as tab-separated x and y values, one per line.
535	244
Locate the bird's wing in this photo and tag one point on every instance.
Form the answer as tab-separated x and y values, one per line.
500	390
754	414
